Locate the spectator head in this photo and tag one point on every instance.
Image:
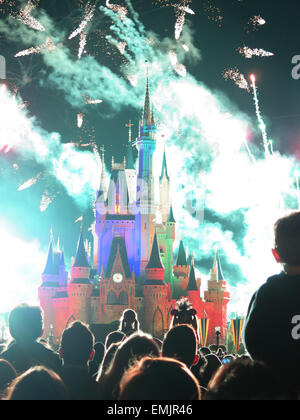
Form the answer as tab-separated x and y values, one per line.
99	352
113	338
129	323
244	380
26	323
185	314
205	351
37	384
107	359
7	375
77	345
180	343
287	240
209	369
159	379
133	348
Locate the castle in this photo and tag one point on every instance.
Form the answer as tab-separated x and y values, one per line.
133	264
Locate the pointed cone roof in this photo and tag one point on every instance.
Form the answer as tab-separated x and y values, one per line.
155	259
147	116
171	218
50	266
129	157
192	286
181	258
164	171
81	259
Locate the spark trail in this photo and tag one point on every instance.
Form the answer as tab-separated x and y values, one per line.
262	125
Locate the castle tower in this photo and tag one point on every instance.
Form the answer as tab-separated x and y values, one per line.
117	289
155	294
193	291
100	211
147	208
48	289
181	272
217	299
164	190
80	287
130	170
168	261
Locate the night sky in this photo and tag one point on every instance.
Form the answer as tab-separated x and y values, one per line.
217	40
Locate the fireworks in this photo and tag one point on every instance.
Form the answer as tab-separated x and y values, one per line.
179	68
25	17
80	120
122	11
238	78
89	14
82	44
47	46
261	123
255	23
30	182
249	53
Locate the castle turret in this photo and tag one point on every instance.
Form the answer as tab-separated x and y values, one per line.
193	291
170	238
155	294
181	271
130	169
217	299
147	208
80	287
48	289
164	190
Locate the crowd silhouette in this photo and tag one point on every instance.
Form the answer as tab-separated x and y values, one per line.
133	365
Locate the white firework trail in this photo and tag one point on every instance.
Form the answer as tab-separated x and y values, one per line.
122	11
121	47
29	183
80	120
48	45
238	78
249	53
45	201
25	17
261	123
181	11
89	14
82	44
179	68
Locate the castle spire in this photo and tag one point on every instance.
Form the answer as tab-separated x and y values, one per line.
164	171
50	266
181	258
81	259
155	259
217	269
147	115
103	188
171	218
192	286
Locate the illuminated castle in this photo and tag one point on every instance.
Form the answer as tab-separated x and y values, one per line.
133	264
